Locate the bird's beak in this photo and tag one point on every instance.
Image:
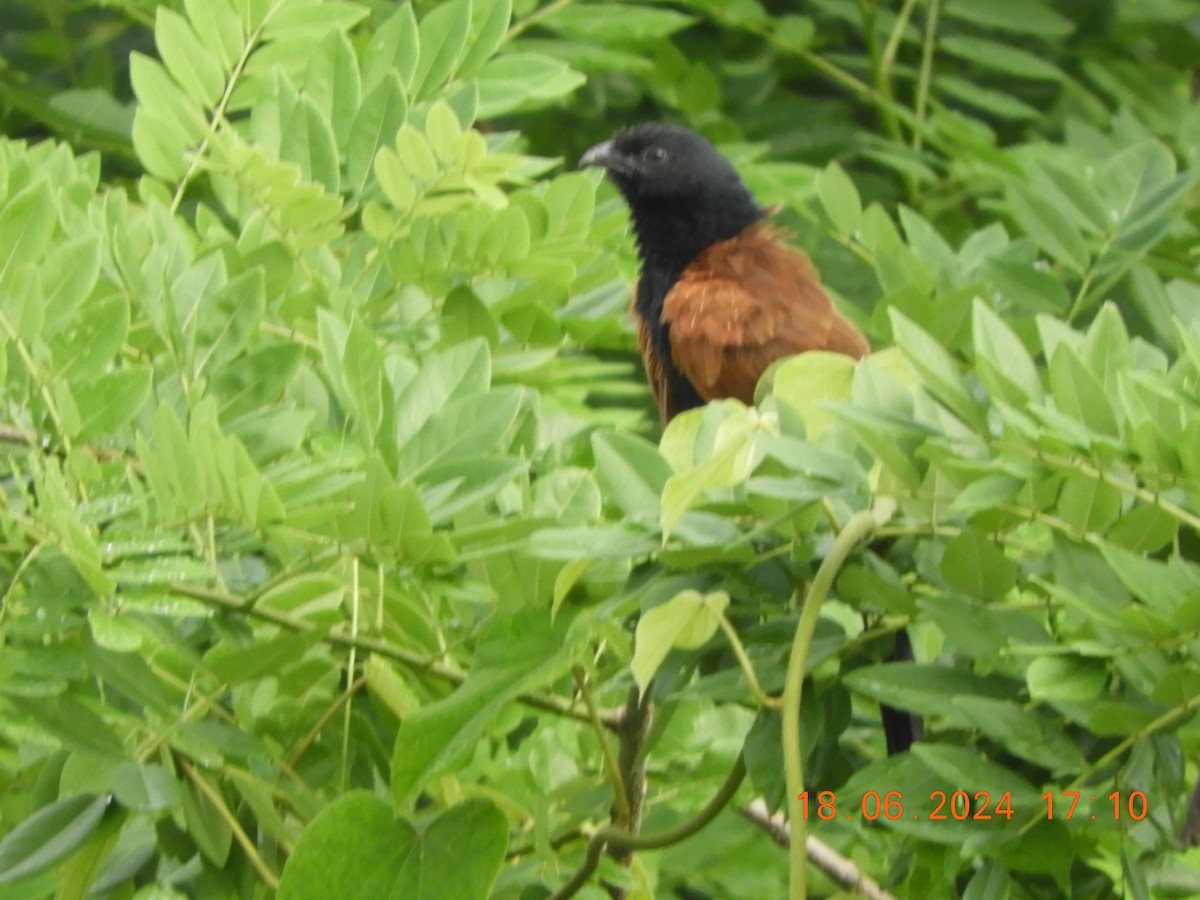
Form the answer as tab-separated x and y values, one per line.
604	155
600	155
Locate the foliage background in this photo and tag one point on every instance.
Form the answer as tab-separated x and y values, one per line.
329	477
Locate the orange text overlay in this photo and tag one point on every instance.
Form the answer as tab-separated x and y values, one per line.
977	806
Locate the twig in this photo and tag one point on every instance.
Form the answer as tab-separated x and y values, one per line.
820	854
631	761
213	796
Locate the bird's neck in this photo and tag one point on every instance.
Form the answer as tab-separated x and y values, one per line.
670	236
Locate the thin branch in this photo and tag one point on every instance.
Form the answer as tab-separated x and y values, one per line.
635	724
213	796
842	870
739	650
611	767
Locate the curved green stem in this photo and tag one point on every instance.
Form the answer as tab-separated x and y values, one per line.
860	526
621	838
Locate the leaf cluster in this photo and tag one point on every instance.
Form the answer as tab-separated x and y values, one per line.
337	541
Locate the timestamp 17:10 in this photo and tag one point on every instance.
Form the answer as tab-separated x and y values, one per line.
1134	804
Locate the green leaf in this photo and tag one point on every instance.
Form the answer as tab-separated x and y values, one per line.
1028	733
937	369
517	81
1066	679
111	401
1002	362
615	23
308	139
1088	504
27	223
489	27
923	689
1050	226
69	273
146	788
596	542
439	735
375	124
974	564
631	471
1019	16
839	198
999	57
49	835
1080	394
688	621
357	848
219	28
809	381
443	34
187	58
393	52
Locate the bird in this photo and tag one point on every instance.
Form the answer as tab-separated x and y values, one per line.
720	294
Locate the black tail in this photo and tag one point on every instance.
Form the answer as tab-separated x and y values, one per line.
900	729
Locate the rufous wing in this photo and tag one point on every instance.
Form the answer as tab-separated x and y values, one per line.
744	303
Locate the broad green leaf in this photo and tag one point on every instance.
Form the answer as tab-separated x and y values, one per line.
146	788
595	542
116	633
809	381
1000	57
357	847
308	140
728	461
1030	734
688	621
69	273
1027	287
310	22
1088	504
974	564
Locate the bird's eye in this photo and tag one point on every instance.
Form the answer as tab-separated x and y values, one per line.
655	154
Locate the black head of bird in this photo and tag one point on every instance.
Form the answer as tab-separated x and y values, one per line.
683	195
